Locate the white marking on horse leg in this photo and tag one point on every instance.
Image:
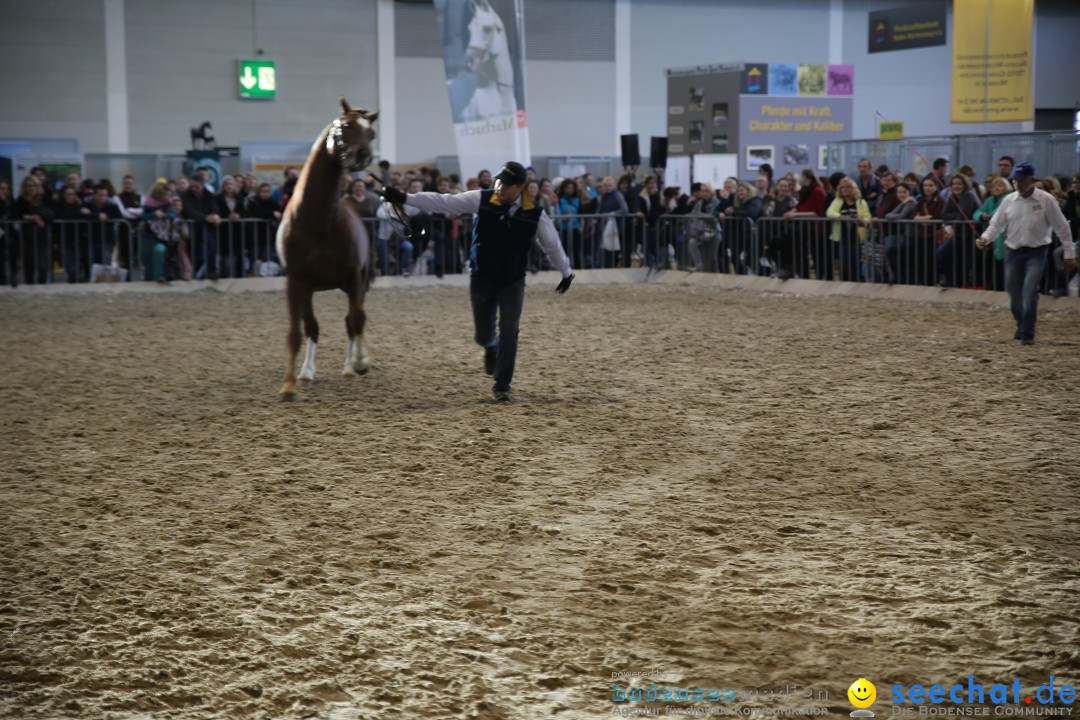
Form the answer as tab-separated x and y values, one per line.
363	363
307	372
350	355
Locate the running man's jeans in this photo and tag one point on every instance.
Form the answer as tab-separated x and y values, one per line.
1023	270
507	298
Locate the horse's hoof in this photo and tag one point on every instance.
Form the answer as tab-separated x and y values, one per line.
347	376
303	382
363	370
287	397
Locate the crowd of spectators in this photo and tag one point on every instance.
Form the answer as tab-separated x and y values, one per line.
876	225
180	229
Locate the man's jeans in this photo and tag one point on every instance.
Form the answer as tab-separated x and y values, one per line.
1023	271
405	260
508	299
205	250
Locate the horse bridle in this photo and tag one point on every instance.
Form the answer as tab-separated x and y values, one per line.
341	148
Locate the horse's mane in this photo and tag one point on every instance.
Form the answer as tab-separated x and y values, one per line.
319	146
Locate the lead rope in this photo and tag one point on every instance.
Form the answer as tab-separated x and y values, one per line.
397	213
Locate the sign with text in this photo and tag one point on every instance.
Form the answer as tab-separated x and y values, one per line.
991	68
793	127
256	79
905	28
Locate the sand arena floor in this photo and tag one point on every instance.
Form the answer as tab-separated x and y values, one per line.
737	489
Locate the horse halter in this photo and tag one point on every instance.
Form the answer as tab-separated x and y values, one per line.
341	149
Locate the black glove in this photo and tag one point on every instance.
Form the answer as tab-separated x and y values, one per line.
394	196
565	284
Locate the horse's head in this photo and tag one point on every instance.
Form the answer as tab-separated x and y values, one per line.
351	136
487	38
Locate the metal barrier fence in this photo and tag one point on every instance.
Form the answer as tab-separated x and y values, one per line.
909	252
1052	153
123	250
175	249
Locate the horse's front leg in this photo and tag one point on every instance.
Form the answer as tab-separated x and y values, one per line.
311	329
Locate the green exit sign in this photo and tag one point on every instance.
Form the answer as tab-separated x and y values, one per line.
257	79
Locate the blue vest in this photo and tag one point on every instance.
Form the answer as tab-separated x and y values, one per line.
501	243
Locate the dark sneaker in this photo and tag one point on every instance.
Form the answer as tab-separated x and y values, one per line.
1027	341
503	396
490	354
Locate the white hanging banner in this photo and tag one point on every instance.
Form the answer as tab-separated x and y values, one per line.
714	169
484	55
677	173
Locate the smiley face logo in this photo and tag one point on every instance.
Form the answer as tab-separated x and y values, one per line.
862	693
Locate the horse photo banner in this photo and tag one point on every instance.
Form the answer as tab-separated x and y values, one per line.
991	69
484	55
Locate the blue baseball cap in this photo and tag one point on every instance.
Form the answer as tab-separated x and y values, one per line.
1023	170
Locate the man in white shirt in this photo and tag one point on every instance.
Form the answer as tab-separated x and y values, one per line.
507	221
1026	217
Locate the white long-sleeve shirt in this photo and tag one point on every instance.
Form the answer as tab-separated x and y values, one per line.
469	202
1027	222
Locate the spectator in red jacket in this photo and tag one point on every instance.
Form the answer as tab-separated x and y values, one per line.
808	237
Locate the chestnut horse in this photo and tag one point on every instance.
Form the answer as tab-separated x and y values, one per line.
323	244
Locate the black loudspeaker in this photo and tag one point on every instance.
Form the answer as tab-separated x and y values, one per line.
658	152
631	156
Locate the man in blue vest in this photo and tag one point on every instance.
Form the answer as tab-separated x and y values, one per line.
506	223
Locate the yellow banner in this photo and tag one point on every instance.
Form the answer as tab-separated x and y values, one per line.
991	71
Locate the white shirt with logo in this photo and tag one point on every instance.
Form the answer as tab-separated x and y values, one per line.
1027	222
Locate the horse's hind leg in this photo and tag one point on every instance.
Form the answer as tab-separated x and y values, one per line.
294	299
356	359
311	329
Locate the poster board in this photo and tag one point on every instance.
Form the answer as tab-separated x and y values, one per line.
715	168
677	173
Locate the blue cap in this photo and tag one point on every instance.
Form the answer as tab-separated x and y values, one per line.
1023	170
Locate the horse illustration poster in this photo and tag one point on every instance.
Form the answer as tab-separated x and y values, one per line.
483	52
811	79
841	80
783	79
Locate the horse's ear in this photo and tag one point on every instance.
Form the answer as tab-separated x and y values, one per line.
372	117
345	105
